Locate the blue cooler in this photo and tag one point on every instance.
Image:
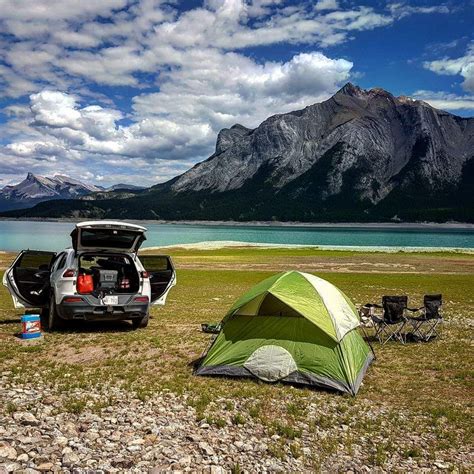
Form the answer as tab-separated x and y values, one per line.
31	326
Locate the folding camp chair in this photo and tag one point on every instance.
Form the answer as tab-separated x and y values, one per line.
391	324
425	327
366	312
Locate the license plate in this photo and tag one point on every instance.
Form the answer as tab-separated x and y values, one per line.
110	300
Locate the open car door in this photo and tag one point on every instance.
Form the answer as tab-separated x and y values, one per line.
27	279
162	275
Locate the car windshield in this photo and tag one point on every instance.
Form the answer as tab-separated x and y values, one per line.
118	239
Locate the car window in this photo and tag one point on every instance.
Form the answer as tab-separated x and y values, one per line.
122	239
60	262
33	259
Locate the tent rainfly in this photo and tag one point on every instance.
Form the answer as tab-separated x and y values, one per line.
292	327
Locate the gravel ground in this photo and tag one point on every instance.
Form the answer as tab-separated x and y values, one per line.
115	431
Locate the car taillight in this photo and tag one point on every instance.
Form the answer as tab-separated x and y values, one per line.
68	273
72	299
145	275
141	299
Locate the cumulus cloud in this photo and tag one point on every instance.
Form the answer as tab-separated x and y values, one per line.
185	73
326	5
446	101
463	66
182	120
222	89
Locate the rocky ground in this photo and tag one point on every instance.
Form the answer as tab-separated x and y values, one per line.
43	431
105	398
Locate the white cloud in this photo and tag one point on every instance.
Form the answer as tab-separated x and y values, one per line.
446	101
224	88
326	5
188	71
402	9
58	44
463	66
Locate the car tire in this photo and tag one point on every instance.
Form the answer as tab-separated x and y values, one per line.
55	322
139	323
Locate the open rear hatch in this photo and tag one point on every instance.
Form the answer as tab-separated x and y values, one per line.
107	235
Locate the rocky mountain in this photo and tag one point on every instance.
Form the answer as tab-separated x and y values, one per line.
123	186
362	155
36	188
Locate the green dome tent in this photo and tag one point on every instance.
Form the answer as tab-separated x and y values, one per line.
292	327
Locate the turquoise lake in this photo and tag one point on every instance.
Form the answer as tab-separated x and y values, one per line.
17	235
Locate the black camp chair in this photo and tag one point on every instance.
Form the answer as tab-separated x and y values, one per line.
425	326
391	325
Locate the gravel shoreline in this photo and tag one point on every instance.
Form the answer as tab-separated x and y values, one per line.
163	434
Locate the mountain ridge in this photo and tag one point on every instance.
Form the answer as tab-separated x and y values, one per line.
360	155
37	188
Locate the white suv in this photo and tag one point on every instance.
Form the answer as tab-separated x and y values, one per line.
99	278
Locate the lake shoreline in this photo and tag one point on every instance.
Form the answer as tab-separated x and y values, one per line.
288	224
229	244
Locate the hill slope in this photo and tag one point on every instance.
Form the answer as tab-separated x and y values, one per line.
362	155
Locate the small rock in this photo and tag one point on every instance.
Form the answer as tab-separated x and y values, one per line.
10	467
134	448
61	440
45	466
185	460
70	459
217	470
22	458
206	448
7	451
26	418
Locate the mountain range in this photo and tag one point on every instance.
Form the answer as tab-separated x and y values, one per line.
35	188
362	155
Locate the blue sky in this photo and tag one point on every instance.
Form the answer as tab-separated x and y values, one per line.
136	91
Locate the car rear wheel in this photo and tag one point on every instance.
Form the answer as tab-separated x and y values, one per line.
55	322
141	322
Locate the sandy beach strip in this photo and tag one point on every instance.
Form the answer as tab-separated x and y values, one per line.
222	244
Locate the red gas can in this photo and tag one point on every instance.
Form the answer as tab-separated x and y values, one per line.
85	284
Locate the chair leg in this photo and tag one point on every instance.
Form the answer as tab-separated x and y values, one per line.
382	334
431	330
416	331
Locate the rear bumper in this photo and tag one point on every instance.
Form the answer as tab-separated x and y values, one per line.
88	312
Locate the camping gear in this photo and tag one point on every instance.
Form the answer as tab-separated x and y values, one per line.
425	327
212	328
365	314
124	284
391	325
292	327
85	284
30	326
107	279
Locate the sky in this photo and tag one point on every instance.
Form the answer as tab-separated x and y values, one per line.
136	91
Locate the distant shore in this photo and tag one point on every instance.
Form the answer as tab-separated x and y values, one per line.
342	225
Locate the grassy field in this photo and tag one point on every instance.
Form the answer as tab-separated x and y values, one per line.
415	403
